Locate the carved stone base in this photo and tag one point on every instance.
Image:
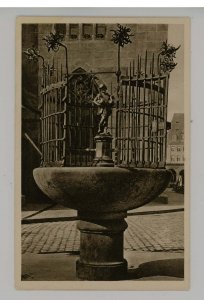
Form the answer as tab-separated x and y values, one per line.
103	151
96	272
101	248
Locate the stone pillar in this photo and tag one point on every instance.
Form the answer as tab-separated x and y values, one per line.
103	151
101	247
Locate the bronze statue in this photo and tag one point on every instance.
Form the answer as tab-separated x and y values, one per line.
105	103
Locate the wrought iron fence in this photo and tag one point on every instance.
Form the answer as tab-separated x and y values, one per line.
138	122
53	109
141	116
68	118
81	120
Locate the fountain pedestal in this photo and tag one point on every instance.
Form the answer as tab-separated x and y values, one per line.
103	150
102	196
101	247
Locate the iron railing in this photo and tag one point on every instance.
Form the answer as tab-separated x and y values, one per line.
53	109
138	121
141	117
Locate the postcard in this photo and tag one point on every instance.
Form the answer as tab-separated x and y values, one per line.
102	153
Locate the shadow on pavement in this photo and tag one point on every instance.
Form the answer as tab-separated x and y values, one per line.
168	267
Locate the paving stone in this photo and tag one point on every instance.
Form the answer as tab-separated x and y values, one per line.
154	233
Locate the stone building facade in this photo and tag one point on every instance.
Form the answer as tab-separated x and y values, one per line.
175	146
90	47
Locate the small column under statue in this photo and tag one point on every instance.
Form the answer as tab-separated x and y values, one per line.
104	101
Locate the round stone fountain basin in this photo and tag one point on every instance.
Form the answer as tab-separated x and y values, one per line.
101	189
102	196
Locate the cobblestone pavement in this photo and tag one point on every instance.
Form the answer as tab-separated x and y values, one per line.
158	232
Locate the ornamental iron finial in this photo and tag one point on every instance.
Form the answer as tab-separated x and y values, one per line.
167	54
33	54
53	41
121	35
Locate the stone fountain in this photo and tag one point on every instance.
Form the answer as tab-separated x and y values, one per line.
102	195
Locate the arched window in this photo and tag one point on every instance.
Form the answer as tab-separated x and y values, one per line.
173	175
82	124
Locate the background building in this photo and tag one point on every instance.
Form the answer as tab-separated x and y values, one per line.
175	147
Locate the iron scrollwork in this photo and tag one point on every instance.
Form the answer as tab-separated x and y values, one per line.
167	54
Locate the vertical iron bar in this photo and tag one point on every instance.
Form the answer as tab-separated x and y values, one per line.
117	118
136	119
119	154
139	114
56	126
128	118
165	117
133	116
143	122
157	121
125	128
48	120
121	121
43	128
111	118
65	137
92	123
51	125
76	144
58	116
151	110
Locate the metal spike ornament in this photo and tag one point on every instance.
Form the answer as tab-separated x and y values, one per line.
121	37
167	54
33	54
53	41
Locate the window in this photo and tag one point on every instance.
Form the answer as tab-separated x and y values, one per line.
74	31
178	149
172	158
60	28
87	31
178	158
100	31
174	137
172	148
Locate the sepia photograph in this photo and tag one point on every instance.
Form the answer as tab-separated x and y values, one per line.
102	124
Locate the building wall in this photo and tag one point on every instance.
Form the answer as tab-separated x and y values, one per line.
175	154
100	54
175	140
30	159
175	145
